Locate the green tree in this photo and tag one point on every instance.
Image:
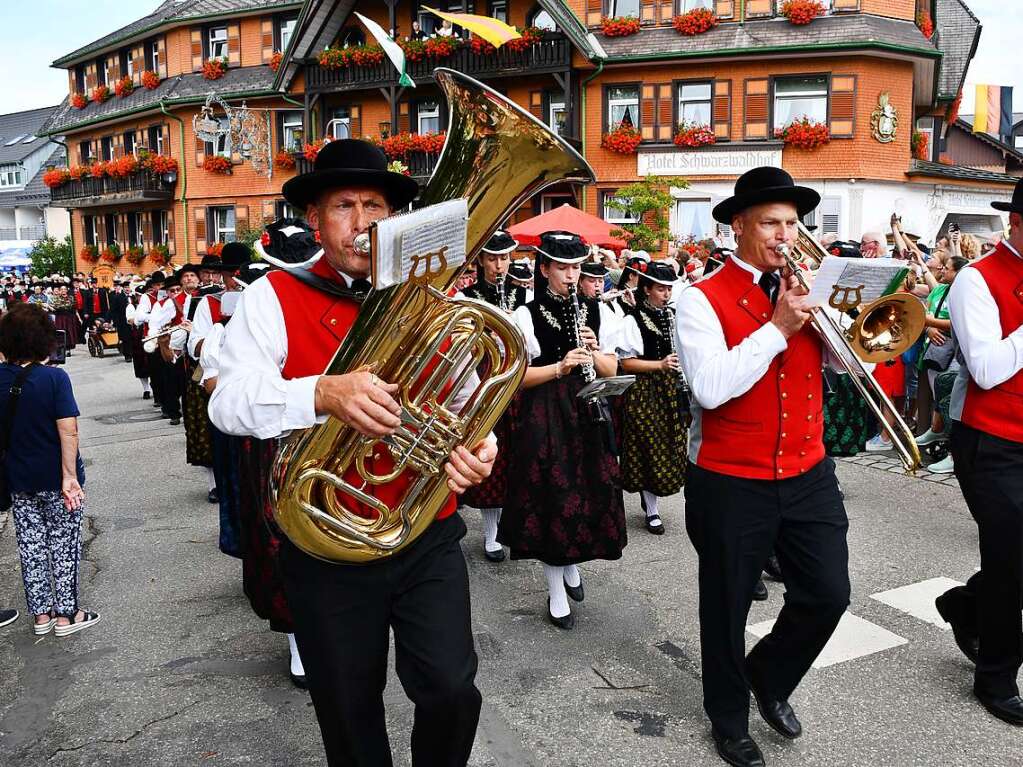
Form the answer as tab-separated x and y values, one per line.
52	256
649	200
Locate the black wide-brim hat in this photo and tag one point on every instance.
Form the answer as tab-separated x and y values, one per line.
1016	204
350	162
659	272
564	247
765	185
209	262
188	268
234	256
500	242
593	269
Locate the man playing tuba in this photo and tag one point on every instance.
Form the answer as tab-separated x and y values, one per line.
282	337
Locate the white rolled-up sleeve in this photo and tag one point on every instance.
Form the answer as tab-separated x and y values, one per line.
142	310
524	322
202	325
252	398
717	374
991	359
630	340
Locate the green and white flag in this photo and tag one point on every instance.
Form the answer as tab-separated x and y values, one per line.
391	48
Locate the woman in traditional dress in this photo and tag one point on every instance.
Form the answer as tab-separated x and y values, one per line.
654	439
565	506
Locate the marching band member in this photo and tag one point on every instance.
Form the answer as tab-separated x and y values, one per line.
566	507
986	306
654	420
280	340
166	313
198	446
493	286
142	361
210	280
591	286
758	477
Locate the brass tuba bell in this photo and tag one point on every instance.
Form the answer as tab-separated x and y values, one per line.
343	497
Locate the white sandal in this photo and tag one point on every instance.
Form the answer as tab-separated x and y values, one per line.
88	619
41	629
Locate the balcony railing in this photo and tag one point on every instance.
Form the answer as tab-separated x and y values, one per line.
552	54
91	192
420	165
34	232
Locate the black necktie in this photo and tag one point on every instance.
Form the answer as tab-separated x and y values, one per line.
769	282
361	286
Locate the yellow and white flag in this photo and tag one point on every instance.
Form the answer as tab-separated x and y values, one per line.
495	32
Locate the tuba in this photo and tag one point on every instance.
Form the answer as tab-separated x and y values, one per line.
880	332
343	497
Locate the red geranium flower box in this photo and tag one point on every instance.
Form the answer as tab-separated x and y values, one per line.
919	144
98	170
150	80
217	164
415	50
89	253
804	134
275	61
215	249
135	255
440	47
79	101
284	160
800	12
693	135
926	24
214	69
623	140
159	255
530	37
309	151
621	26
124	87
56	177
695	22
100	94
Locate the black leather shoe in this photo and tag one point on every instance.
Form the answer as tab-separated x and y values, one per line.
773	568
1007	709
566	622
146	395
740	752
575	593
778	714
494	556
968	642
213	496
299	681
657	529
175	421
760	591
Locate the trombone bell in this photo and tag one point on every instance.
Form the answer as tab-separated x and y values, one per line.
887	327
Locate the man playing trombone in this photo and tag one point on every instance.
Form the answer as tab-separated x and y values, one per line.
758	478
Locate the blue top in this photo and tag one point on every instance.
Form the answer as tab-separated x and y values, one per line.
33	459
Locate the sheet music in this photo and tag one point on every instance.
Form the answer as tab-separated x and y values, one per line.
400	239
847	278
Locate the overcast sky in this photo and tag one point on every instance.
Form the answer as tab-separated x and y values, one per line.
39	31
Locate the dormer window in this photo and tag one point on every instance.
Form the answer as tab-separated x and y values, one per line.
153	56
102	74
10	175
217	43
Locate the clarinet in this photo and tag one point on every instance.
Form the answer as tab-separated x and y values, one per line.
502	295
684	395
589	372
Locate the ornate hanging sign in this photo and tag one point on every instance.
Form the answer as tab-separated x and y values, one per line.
247	131
884	121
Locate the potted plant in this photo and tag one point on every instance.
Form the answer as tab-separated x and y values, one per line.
530	37
800	12
56	177
79	101
150	80
284	160
415	50
89	253
334	58
804	134
919	145
926	24
98	169
215	249
275	61
214	69
620	26
217	164
622	140
441	47
159	255
124	87
694	135
135	255
367	55
309	151
100	94
695	22
111	253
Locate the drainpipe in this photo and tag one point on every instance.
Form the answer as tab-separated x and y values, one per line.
582	127
183	168
71	228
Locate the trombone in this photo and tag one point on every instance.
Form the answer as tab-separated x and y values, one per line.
881	331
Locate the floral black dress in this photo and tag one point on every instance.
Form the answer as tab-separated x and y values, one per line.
564	504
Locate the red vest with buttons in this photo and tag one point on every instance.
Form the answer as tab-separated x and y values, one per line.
997	410
775	430
317	324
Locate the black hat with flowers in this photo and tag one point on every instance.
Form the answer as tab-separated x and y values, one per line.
290	244
657	272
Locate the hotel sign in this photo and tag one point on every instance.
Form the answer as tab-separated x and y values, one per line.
706	163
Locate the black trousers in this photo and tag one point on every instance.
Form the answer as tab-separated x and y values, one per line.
734	525
171	376
342	615
156	375
990	474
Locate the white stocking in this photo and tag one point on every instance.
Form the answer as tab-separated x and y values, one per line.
556	587
572	576
211	479
490	519
296	661
651	503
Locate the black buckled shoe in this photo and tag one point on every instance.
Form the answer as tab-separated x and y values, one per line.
146	395
566	622
575	593
779	715
654	524
1007	709
772	567
739	752
213	496
494	556
760	591
968	642
299	681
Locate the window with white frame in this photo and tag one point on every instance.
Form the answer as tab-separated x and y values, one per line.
155	139
557	117
134	229
618	8
543	20
153	56
799	97
340	125
622	106
694	103
10	175
499	10
89	230
1018	142
222	145
161	230
127	65
222	224
129	142
925	126
428	117
614	213
286	29
693	219
106	148
684	6
102	75
217	43
292	133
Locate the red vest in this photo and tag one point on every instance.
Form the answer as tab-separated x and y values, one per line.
776	429
214	303
317	324
997	411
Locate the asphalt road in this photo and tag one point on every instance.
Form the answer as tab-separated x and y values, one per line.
180	672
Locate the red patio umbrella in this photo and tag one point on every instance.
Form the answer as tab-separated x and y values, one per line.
592	230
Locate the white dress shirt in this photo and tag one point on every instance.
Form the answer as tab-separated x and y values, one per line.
991	359
162	315
630	339
202	324
142	310
209	358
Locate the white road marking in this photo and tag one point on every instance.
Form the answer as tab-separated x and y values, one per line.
854	638
917	599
